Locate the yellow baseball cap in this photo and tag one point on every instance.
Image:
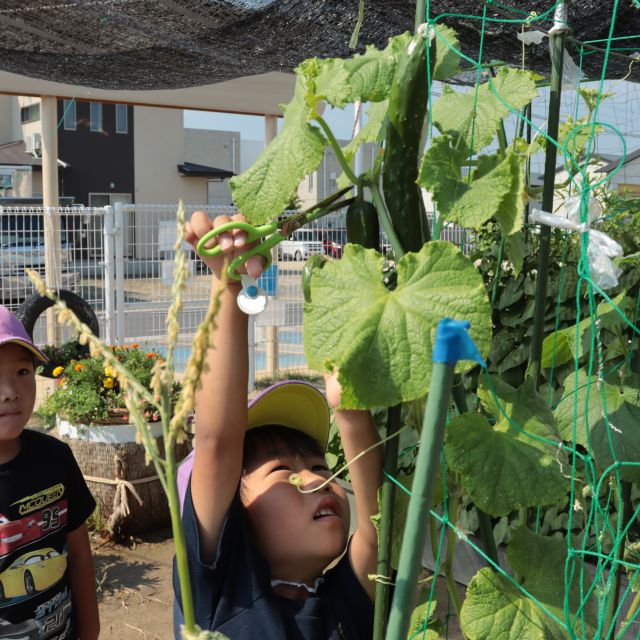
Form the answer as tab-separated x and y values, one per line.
295	404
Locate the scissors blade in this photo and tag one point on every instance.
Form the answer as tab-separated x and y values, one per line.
297	220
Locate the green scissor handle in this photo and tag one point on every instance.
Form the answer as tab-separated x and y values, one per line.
267	231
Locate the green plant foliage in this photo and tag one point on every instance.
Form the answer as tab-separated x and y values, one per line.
499	466
380	339
607	415
496	609
89	391
264	190
496	187
476	121
447	61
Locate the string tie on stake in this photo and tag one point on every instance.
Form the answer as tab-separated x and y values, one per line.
601	248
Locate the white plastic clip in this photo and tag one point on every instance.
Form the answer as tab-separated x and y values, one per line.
251	299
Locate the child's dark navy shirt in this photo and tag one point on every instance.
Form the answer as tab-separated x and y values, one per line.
233	595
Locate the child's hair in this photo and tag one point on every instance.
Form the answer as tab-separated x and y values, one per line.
268	441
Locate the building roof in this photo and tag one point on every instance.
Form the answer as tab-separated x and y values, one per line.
193	170
13	153
608	168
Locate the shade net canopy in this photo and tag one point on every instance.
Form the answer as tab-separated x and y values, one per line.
170	44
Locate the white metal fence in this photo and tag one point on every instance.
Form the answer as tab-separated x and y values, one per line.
120	260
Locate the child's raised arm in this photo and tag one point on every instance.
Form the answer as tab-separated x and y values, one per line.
358	432
221	402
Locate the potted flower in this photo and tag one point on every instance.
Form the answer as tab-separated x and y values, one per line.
89	410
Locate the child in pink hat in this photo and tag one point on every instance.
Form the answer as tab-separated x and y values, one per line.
44	502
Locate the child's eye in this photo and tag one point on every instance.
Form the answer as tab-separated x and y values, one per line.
24	372
319	468
281	467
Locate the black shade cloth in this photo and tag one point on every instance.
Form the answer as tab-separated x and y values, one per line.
167	44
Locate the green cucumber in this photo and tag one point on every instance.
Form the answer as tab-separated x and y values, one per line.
407	112
312	263
363	227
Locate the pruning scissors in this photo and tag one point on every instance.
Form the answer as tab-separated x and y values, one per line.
270	234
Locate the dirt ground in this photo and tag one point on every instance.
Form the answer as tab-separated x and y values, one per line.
135	593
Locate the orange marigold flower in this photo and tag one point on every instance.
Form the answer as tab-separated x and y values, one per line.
78	367
152	355
135	345
57	371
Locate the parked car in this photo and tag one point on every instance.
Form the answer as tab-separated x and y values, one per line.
26	251
31	572
16	533
302	244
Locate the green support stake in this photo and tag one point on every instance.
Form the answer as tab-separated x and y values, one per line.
387	500
558	35
452	343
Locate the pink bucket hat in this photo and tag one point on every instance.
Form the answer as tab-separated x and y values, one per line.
12	330
290	403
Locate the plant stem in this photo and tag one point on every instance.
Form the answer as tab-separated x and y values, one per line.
452	540
627	511
381	207
420	13
496	277
179	542
387	500
632	610
557	57
427	464
337	150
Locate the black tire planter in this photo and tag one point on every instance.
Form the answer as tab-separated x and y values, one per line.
34	306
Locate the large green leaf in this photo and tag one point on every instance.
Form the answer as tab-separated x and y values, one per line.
502	467
364	77
496	609
606	420
497	187
264	190
381	340
477	121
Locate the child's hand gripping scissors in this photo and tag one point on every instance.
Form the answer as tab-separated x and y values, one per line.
270	235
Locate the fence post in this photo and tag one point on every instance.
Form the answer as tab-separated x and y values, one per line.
120	234
52	267
109	275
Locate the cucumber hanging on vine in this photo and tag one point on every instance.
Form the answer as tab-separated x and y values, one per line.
407	112
314	262
363	226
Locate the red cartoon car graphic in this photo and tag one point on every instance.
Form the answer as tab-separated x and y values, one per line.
16	533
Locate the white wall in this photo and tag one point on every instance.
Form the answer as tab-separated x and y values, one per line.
628	178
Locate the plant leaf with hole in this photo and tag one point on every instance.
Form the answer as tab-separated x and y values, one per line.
381	340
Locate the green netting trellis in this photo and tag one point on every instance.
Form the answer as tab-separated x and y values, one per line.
572	567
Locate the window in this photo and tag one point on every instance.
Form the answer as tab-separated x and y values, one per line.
105	199
95	116
30	113
122	124
69	114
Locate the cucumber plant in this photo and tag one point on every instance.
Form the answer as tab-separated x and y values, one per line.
510	453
